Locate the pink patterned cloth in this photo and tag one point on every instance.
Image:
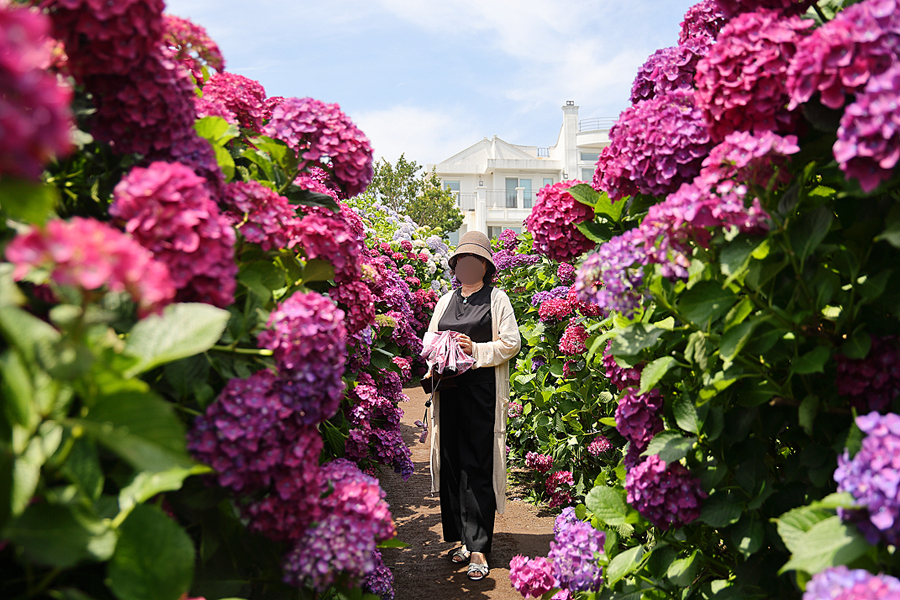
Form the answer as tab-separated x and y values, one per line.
441	351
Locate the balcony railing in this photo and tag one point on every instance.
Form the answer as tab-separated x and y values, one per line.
543	152
596	123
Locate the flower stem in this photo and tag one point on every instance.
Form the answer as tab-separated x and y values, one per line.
248	351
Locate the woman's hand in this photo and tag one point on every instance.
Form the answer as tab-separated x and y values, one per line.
466	344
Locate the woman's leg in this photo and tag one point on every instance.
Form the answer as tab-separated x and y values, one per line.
476	466
451	521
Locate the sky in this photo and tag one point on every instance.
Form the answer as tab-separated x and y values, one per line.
429	78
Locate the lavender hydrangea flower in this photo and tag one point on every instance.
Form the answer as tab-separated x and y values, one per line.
873	478
667	495
540	297
573	553
841	583
612	277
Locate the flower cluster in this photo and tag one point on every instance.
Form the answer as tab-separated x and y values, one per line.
542	463
573	553
307	336
358	304
106	37
565	273
585	309
255	441
168	209
639	416
730	8
573	339
840	57
655	146
558	486
514	409
193	48
323	135
555	309
507	260
702	22
509	239
552	222
667	495
869	135
329	238
873	477
611	277
749	158
240	95
205	107
873	382
668	69
262	216
569	369
384	446
531	577
34	107
542	296
88	254
380	580
621	377
733	97
841	583
599	445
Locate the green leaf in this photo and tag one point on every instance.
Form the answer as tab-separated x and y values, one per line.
735	338
60	536
27	201
813	361
262	277
705	302
584	193
634	339
858	346
608	208
182	330
891	234
26	332
596	232
83	469
735	257
216	130
317	270
682	571
748	535
623	564
810	230
671	446
835	500
299	195
139	427
608	504
154	559
721	509
392	543
686	414
794	524
698	350
147	484
828	543
655	371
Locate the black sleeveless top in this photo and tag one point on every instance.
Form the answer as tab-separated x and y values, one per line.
471	316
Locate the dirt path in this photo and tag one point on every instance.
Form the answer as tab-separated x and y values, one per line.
422	571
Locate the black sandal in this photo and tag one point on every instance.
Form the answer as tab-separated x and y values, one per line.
459	555
477	572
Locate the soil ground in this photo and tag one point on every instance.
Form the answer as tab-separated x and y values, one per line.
422	570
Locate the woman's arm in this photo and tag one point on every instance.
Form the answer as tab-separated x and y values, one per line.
497	352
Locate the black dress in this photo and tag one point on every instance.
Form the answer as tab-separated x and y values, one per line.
466	420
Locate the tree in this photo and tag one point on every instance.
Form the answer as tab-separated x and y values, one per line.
421	196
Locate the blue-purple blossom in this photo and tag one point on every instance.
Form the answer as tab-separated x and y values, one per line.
841	583
873	478
380	581
573	553
612	277
506	260
558	292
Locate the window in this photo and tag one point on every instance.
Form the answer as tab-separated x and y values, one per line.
453	186
526	194
590	157
548	181
494	232
587	174
511	184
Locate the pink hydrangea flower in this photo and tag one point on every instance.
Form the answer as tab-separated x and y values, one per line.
323	135
262	216
621	377
542	463
702	23
358	304
168	209
531	577
552	222
210	108
585	309
668	69
244	97
569	369
106	38
34	106
741	81
514	410
655	146
749	158
329	238
868	144
91	255
193	47
558	486
841	583
565	273
599	445
667	495
555	309
573	339
730	8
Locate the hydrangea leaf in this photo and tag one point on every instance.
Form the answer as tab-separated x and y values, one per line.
721	509
827	543
813	361
608	504
671	446
655	371
623	564
146	484
705	302
634	339
27	201
61	536
810	230
686	415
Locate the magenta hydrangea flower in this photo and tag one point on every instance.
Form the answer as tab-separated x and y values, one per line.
205	107
552	222
749	158
839	58
668	69
508	238
262	216
873	382
873	477
569	370
565	273
542	463
34	105
258	446
329	238
357	497
558	486
383	445
380	580
612	277
621	377
599	445
307	336
244	97
531	577
91	255
318	131
106	38
573	554
514	410
730	8
555	309
667	495
868	144
585	309
358	304
702	23
655	146
841	583
168	209
573	339
741	81
639	416
193	47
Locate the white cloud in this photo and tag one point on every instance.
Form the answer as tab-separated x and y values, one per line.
424	135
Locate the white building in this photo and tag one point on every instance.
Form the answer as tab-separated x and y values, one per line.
495	181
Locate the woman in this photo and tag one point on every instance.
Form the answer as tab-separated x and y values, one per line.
468	446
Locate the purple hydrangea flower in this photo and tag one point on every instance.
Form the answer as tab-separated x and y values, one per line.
565	273
612	277
873	382
573	553
668	69
841	583
639	416
508	239
873	477
558	292
702	22
537	362
667	495
379	581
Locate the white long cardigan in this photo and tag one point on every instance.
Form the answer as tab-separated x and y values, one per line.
497	353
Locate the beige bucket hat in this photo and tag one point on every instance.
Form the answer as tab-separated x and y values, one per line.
473	242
